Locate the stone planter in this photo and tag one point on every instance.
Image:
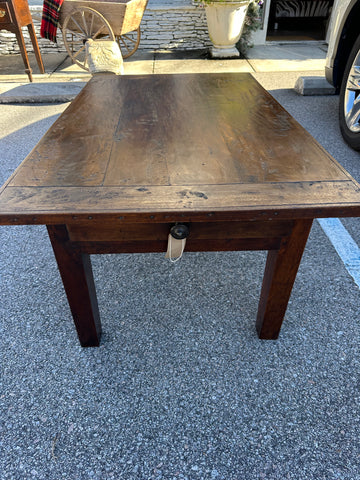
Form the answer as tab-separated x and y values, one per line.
225	22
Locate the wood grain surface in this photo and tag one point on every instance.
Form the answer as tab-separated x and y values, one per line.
140	147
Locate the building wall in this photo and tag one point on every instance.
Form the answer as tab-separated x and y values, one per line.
166	24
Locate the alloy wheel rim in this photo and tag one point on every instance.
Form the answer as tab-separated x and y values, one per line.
352	97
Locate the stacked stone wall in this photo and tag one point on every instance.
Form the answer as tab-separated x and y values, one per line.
163	27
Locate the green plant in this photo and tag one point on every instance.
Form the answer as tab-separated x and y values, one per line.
252	23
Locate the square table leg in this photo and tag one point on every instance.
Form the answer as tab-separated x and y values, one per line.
280	273
76	273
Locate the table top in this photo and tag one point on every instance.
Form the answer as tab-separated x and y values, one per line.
169	147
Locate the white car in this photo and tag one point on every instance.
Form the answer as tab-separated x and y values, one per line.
343	66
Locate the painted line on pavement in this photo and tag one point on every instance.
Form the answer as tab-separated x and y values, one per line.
347	249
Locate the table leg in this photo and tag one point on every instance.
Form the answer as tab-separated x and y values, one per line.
76	273
34	41
21	42
280	272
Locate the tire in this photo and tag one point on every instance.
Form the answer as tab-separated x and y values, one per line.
349	100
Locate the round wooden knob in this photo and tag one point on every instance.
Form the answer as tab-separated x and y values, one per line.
179	231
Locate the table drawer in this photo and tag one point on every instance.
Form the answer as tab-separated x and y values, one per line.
160	231
215	236
5	14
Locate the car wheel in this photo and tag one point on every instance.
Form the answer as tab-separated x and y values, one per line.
349	101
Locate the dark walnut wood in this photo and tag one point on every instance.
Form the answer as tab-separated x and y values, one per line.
132	155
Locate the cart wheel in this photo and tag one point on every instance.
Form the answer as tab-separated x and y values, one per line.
129	42
81	25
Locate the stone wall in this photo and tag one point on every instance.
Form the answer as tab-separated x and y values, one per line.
166	24
174	26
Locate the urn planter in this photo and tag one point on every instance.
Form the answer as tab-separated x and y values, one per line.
225	22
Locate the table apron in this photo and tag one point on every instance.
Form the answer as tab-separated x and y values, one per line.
153	237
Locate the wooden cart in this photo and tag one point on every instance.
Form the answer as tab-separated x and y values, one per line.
81	20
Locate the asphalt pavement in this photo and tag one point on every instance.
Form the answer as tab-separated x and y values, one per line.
181	387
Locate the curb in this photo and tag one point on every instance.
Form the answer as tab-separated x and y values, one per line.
55	92
313	86
37	99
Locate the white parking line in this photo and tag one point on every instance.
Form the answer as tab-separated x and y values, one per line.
347	249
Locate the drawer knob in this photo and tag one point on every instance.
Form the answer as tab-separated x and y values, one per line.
2	13
179	231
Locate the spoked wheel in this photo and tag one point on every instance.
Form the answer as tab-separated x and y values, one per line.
129	42
81	25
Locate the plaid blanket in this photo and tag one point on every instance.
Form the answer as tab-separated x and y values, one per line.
50	19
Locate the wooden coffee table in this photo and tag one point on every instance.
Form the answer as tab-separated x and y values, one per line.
134	155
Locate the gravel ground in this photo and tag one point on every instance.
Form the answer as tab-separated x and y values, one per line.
181	387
